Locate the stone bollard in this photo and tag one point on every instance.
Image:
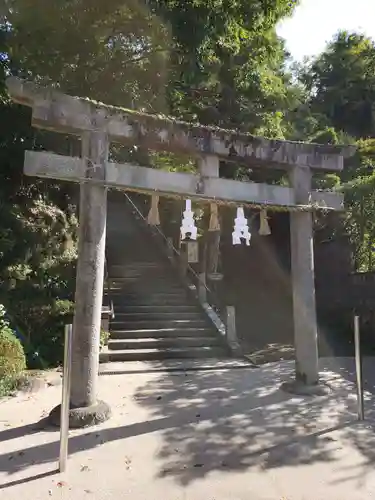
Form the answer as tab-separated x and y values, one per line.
231	332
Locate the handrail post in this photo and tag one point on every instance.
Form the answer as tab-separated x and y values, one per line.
183	260
231	331
359	368
202	288
65	403
170	248
108	283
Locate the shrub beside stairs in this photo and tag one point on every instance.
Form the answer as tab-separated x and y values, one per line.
156	317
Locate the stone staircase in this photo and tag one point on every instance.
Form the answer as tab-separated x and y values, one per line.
156	317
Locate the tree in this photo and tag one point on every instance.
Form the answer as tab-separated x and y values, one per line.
359	190
112	51
227	60
37	237
341	82
210	61
339	88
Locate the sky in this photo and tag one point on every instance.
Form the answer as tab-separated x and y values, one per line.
315	22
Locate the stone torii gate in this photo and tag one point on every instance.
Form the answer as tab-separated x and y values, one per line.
98	124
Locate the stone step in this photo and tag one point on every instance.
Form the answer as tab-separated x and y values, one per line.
157	343
147	278
123	255
161	333
138	265
143	299
138	259
146	324
132	289
145	283
119	302
155	354
123	297
132	286
155	316
163	315
126	304
145	296
122	308
117	267
121	270
155	263
144	288
131	242
146	274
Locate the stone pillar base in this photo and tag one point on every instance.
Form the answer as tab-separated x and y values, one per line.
300	389
83	417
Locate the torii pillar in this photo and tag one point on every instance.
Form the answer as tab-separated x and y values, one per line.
305	322
85	408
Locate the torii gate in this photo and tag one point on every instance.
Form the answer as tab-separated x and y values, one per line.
98	124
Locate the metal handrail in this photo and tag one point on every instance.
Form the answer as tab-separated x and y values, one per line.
171	246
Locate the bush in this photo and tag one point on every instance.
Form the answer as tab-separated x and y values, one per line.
8	386
50	341
12	356
42	322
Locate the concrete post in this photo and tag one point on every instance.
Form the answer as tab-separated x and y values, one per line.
303	283
183	260
231	324
105	317
85	407
231	331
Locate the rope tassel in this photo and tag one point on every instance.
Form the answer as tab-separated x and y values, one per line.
264	227
153	218
214	218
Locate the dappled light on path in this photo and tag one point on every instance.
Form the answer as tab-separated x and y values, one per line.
192	430
237	421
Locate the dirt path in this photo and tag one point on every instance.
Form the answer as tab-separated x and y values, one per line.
214	434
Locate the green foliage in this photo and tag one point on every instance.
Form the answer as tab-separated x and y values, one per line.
38	229
334	105
342	84
37	265
104	50
12	357
104	337
42	321
212	61
326	136
359	191
7	386
229	69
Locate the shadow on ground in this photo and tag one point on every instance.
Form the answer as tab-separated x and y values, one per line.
236	422
228	420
